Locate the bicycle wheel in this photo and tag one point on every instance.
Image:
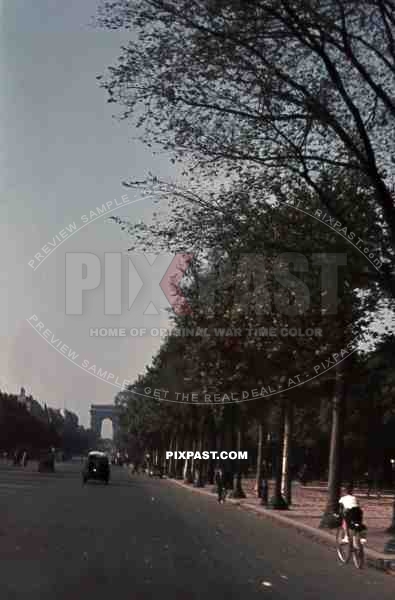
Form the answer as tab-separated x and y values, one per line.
343	550
358	555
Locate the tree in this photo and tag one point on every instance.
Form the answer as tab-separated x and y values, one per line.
286	487
381	386
247	222
336	446
287	88
37	428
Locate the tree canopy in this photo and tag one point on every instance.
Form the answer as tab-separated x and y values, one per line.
285	87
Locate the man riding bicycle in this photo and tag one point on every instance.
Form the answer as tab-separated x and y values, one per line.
350	512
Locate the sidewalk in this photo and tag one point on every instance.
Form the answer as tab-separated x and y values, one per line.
32	465
305	514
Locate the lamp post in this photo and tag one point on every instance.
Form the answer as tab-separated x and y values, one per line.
264	491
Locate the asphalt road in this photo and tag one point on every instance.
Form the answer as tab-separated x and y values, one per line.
142	538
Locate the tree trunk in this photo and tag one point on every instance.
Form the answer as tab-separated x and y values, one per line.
218	445
336	445
185	470
213	446
199	482
277	502
170	469
259	460
193	465
286	484
188	472
391	528
179	465
238	491
228	445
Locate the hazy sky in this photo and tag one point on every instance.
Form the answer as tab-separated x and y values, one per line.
63	155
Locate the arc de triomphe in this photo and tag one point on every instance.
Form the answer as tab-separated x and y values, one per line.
99	412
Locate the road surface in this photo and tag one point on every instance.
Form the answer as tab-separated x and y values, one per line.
142	538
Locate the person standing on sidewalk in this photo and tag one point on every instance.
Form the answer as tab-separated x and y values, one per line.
220	483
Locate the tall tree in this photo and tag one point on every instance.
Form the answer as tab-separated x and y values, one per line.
336	446
285	87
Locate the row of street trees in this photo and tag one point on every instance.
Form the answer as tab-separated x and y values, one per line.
34	428
281	114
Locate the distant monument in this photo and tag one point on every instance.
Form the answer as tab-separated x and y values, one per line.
99	412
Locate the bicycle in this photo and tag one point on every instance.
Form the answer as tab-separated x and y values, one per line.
353	548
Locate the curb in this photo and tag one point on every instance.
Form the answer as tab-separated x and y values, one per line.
377	560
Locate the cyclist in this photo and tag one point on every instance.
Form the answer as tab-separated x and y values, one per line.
350	511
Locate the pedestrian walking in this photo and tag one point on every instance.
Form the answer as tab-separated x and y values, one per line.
220	483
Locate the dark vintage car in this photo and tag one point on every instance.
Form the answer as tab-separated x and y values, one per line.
97	467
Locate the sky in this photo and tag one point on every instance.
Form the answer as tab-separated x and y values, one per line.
64	155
